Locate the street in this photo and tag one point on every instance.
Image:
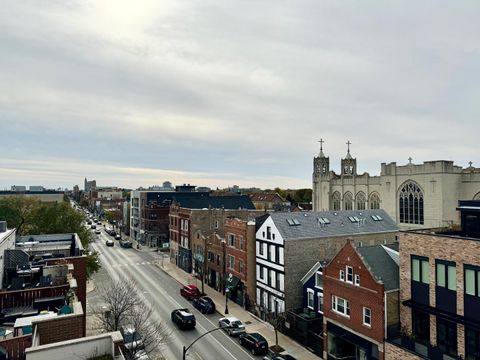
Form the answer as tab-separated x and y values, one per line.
163	294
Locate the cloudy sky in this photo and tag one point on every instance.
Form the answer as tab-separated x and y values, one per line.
217	93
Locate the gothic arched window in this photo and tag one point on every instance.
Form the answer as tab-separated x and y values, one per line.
411	204
361	200
336	201
477	196
348	201
374	201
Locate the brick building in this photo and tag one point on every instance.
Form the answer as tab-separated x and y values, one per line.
289	244
361	294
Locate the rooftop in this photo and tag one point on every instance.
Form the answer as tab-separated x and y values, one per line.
382	263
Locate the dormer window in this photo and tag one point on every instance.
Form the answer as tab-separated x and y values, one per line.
342	275
357	280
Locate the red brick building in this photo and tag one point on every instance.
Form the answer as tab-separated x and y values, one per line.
361	292
240	259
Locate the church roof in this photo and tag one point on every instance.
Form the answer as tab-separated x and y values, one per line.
312	225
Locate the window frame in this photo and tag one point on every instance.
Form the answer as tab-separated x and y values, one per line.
365	316
357	279
446	265
348	274
346	306
320	304
342	275
310	296
422	263
476	279
319	274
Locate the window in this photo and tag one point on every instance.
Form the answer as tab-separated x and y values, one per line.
420	270
269	232
421	327
231	262
472	344
342	275
240	266
231	240
319	279
447	336
336	201
361	201
472	280
261	273
348	201
446	275
357	280
340	306
349	274
374	201
310	294
260	248
320	302
277	281
411	204
270	277
216	224
367	317
241	243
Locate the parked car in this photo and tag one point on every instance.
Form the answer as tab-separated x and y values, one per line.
190	292
109	242
131	338
98	232
232	325
278	356
126	244
183	318
204	304
118	237
254	342
93	226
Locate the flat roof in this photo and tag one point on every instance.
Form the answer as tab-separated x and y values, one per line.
4	235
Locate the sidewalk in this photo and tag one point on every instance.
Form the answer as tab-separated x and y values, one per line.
253	323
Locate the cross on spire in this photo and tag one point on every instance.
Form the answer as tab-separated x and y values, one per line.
348	145
410	160
470	163
321	143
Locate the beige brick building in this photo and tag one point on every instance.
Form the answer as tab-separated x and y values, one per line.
414	195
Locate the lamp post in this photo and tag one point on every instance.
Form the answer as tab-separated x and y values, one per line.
185	349
227	290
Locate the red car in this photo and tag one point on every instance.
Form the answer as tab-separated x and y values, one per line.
190	292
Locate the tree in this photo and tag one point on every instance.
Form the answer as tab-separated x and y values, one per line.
122	306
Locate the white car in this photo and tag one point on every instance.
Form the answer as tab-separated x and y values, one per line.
232	325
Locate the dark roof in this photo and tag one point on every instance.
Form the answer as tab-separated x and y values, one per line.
260	220
308	226
268	197
381	264
201	200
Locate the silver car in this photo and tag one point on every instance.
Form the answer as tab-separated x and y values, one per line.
232	325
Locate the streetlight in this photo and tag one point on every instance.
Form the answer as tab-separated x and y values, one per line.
185	349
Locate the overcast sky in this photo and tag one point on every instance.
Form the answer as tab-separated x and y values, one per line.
217	93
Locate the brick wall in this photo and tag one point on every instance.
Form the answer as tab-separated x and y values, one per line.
393	352
65	327
460	250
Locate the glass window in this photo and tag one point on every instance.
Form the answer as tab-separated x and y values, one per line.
447	336
340	305
374	201
318	279
336	201
342	275
320	302
452	278
411	204
367	316
357	279
310	294
425	272
349	274
421	327
472	344
416	269
470	282
348	201
441	275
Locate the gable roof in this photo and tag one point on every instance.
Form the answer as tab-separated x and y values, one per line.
267	197
306	225
310	272
381	265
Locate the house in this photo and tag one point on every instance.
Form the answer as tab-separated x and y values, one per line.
267	201
439	291
360	302
289	244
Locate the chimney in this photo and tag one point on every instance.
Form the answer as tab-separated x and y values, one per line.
3	226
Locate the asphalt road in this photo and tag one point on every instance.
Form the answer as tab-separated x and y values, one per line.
163	293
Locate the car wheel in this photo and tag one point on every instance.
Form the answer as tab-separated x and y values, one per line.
253	351
229	332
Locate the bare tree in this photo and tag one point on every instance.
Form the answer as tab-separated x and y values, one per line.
121	306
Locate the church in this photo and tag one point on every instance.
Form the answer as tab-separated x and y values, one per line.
415	195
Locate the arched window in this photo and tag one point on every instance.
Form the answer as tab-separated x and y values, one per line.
348	201
374	201
361	200
336	201
411	204
477	196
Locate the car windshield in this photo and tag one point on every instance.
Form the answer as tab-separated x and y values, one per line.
236	323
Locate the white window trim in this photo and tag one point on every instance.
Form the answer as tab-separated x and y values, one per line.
357	280
321	274
342	275
311	291
319	295
363	318
346	274
334	306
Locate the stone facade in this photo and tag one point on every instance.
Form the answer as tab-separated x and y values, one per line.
441	182
394	352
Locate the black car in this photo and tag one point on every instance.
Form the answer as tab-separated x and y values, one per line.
254	342
204	304
184	319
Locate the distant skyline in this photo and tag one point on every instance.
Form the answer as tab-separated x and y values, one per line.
232	93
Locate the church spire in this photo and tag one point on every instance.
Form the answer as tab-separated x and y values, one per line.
321	154
348	157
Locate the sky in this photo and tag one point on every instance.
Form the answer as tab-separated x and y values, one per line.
222	93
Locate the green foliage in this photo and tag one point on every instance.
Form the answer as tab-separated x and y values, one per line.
111	215
303	195
83	203
30	216
93	263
